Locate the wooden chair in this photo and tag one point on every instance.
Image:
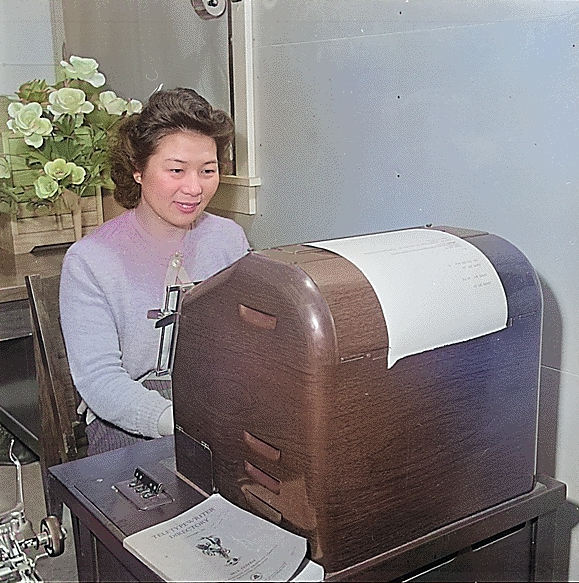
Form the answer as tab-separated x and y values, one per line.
63	437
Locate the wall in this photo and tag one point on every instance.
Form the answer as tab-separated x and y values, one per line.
26	48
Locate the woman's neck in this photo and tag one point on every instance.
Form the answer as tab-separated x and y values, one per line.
158	228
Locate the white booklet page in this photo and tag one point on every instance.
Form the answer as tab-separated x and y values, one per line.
218	541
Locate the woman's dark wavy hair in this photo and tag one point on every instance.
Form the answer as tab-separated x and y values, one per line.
166	113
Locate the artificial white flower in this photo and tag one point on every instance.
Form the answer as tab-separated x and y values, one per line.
84	69
134	106
78	174
68	100
112	104
27	121
45	187
59	168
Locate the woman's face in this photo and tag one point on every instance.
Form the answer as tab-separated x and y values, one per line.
179	179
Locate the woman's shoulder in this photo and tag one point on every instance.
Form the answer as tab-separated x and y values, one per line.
107	239
208	222
220	230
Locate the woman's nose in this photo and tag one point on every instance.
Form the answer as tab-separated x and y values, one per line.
192	184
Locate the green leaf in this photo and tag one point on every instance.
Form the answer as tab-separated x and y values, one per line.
38	156
100	118
65	124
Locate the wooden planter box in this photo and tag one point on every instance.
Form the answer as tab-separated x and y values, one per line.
21	234
30	229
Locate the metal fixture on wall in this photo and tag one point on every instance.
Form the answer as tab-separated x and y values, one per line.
208	9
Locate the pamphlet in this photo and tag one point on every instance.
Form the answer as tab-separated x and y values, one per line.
218	541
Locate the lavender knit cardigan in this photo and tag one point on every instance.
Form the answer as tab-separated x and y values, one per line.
110	279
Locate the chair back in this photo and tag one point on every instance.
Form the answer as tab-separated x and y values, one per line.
63	437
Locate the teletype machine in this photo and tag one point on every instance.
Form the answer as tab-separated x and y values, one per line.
362	392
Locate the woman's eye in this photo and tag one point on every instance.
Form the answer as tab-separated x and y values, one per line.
209	171
176	170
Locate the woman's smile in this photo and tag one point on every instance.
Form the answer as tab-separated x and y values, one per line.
187	207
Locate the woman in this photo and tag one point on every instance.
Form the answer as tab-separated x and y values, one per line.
165	164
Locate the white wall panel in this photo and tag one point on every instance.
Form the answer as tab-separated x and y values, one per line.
26	50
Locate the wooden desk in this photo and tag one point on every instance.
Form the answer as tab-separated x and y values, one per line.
512	541
19	410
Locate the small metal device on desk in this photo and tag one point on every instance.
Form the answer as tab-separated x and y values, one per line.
144	491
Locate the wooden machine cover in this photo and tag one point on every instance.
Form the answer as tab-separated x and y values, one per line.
285	405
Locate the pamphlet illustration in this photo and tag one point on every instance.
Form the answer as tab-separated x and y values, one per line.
211	545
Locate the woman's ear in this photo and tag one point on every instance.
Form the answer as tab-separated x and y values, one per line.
137	177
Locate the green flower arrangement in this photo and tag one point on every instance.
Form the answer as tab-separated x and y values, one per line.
66	128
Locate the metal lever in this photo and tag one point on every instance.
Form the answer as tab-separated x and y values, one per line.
167	316
144	491
155	314
166	320
143	483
